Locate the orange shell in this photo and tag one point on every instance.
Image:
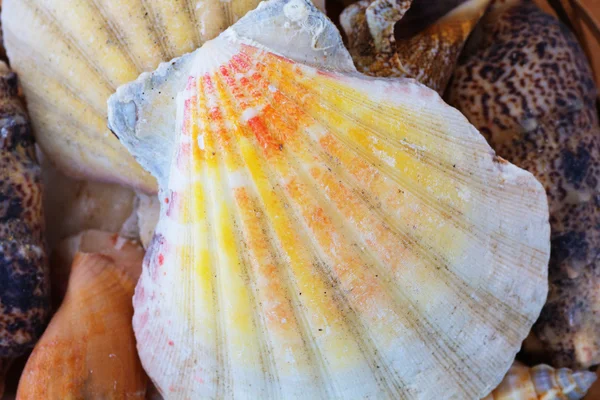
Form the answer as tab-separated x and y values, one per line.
88	350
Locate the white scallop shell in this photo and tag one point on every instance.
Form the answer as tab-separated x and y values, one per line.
324	234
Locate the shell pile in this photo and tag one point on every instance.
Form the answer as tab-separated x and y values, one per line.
320	228
315	222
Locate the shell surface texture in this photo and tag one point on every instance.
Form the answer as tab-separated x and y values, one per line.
529	89
24	279
72	54
89	351
322	233
542	382
428	55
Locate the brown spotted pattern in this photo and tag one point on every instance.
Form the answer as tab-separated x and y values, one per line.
527	86
24	286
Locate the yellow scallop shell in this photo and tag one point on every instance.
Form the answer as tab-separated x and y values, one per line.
324	234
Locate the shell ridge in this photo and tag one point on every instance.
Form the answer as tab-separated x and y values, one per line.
417	191
442	166
222	346
192	14
314	351
269	175
113	31
44	67
263	342
424	253
160	38
298	168
506	308
54	22
383	372
357	189
419	157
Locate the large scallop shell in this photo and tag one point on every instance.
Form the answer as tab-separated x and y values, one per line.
324	234
88	350
72	54
542	382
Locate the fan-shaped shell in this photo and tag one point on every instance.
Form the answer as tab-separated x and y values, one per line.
324	234
72	54
542	382
88	350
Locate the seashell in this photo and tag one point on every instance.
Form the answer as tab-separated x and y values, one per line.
542	382
89	241
89	342
428	56
24	283
323	234
72	55
528	88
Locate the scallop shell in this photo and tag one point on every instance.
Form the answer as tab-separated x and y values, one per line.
88	350
24	282
542	382
529	88
428	56
72	54
324	234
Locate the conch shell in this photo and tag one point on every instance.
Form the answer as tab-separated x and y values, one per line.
428	55
88	350
323	234
24	279
528	88
542	382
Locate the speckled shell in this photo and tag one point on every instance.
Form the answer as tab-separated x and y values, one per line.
542	382
528	88
24	286
324	234
88	350
428	55
72	54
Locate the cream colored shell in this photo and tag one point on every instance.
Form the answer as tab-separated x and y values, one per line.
72	54
324	234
